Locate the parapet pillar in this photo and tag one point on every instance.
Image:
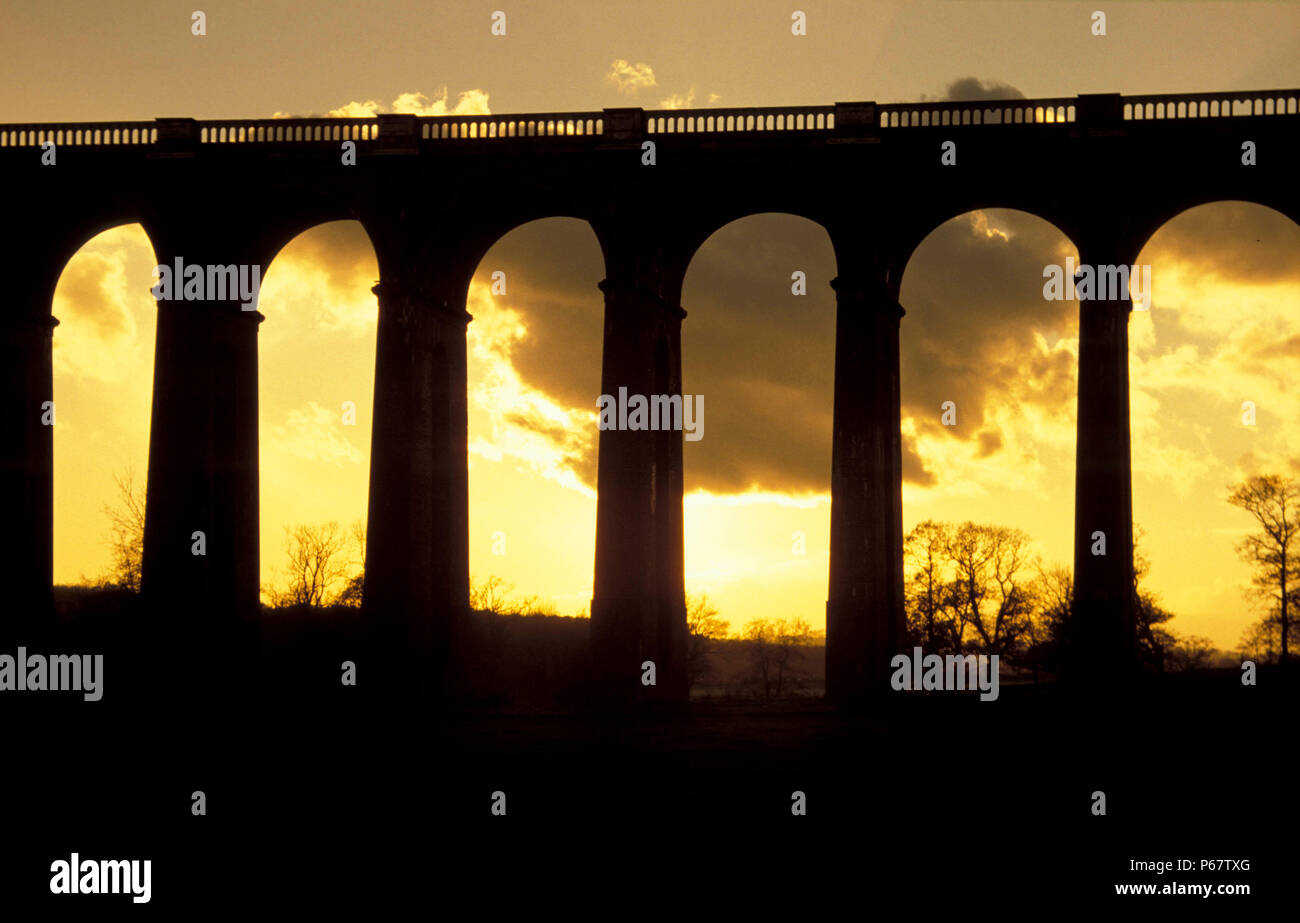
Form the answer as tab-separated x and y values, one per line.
865	623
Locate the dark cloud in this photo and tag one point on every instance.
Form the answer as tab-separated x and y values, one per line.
764	358
975	308
1236	241
340	250
914	470
538	425
577	449
990	441
86	283
552	269
1281	349
966	89
1252	463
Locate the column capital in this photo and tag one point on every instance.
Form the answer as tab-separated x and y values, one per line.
1094	303
20	327
214	308
872	294
1098	258
1101	241
611	287
409	302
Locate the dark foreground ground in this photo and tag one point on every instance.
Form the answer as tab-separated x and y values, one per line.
932	800
928	799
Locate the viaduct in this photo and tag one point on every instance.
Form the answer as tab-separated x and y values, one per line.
434	194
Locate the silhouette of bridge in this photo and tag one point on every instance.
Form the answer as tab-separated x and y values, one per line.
434	194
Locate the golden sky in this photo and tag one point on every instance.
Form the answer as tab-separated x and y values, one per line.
1224	326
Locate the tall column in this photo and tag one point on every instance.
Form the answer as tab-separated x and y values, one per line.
1103	638
670	547
638	610
203	478
864	613
417	540
26	465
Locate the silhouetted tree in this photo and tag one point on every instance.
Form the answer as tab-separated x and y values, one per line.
991	571
990	592
1190	653
1156	642
1258	642
1055	595
493	597
1045	635
490	595
354	590
316	562
1274	502
777	655
931	621
970	589
703	627
126	532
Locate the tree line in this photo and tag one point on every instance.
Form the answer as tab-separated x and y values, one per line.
972	588
979	589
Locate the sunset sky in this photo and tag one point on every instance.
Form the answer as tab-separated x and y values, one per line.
1224	326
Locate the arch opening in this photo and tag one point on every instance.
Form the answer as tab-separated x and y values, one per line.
103	362
1212	367
988	385
758	346
316	376
534	374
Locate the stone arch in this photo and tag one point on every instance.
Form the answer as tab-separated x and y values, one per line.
988	380
1153	219
715	222
101	368
316	375
919	228
763	358
1214	363
533	370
